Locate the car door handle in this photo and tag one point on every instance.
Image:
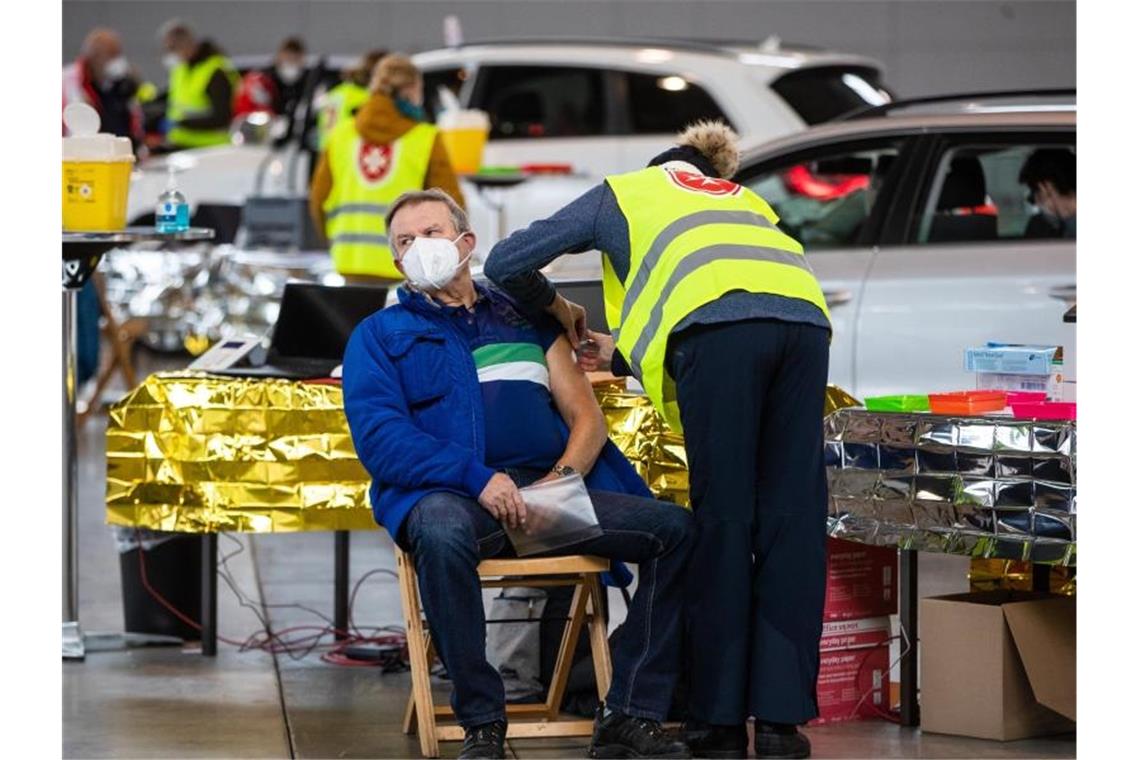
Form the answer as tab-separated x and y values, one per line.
1066	293
835	298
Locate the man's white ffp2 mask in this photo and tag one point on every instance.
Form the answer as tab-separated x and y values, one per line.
431	263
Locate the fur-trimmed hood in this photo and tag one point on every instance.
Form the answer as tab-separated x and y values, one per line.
717	142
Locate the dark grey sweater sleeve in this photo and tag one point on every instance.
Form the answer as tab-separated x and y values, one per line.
513	263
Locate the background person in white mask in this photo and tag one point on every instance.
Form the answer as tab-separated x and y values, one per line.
102	77
277	88
455	400
199	98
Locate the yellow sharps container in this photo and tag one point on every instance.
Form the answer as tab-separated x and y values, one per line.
96	174
464	134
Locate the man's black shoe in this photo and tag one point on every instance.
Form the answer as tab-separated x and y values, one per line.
484	741
715	742
621	735
780	740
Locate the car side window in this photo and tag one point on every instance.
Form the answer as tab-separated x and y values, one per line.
994	192
667	103
542	101
826	201
451	78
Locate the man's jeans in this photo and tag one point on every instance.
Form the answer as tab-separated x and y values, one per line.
448	535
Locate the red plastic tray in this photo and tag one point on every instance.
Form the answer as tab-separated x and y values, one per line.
1045	410
967	402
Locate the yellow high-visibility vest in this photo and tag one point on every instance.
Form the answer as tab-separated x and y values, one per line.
366	178
338	105
691	240
187	98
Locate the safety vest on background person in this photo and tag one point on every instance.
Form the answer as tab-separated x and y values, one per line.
692	239
188	98
337	105
366	179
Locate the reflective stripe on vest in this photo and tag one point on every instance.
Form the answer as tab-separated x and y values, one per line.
691	241
366	179
188	98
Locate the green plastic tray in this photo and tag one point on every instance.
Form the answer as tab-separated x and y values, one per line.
897	404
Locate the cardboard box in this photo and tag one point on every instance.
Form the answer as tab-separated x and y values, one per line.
998	664
1014	359
1014	367
854	670
1052	385
862	580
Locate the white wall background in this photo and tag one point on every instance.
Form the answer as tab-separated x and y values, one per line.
928	46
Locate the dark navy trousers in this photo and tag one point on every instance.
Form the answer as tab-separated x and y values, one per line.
751	395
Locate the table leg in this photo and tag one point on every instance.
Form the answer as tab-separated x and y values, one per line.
340	583
1041	575
73	647
908	619
210	594
501	218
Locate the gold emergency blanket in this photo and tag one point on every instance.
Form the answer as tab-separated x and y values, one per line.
194	453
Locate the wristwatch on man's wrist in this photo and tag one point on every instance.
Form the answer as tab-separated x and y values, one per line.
562	470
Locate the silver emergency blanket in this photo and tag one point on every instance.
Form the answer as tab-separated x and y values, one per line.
979	486
193	296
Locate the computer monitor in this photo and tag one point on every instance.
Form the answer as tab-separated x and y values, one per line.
315	321
587	294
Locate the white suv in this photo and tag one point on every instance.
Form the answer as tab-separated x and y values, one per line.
606	107
601	107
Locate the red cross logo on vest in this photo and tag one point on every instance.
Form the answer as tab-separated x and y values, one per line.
698	183
374	161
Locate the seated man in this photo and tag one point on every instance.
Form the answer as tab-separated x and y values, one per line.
455	400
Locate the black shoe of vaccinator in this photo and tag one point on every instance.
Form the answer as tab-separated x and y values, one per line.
775	740
715	742
620	735
484	741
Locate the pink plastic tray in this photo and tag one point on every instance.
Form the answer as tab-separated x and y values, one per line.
1044	410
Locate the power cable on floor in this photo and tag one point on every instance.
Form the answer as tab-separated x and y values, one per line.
890	715
391	639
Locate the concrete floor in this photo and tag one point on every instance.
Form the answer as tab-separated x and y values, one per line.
166	702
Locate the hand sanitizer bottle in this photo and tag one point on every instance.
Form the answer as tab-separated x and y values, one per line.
172	213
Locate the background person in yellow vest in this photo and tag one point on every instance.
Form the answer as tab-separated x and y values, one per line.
345	99
199	100
718	314
386	150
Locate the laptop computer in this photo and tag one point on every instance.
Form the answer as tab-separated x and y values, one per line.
312	329
588	295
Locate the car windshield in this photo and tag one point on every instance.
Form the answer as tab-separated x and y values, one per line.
823	93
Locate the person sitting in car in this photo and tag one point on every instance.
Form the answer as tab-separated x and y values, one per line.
455	399
1051	176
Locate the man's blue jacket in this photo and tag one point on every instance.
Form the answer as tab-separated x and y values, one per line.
412	397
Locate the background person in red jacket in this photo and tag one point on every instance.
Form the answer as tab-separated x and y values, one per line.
103	78
277	88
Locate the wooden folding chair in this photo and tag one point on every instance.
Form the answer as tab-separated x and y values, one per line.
121	338
526	720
